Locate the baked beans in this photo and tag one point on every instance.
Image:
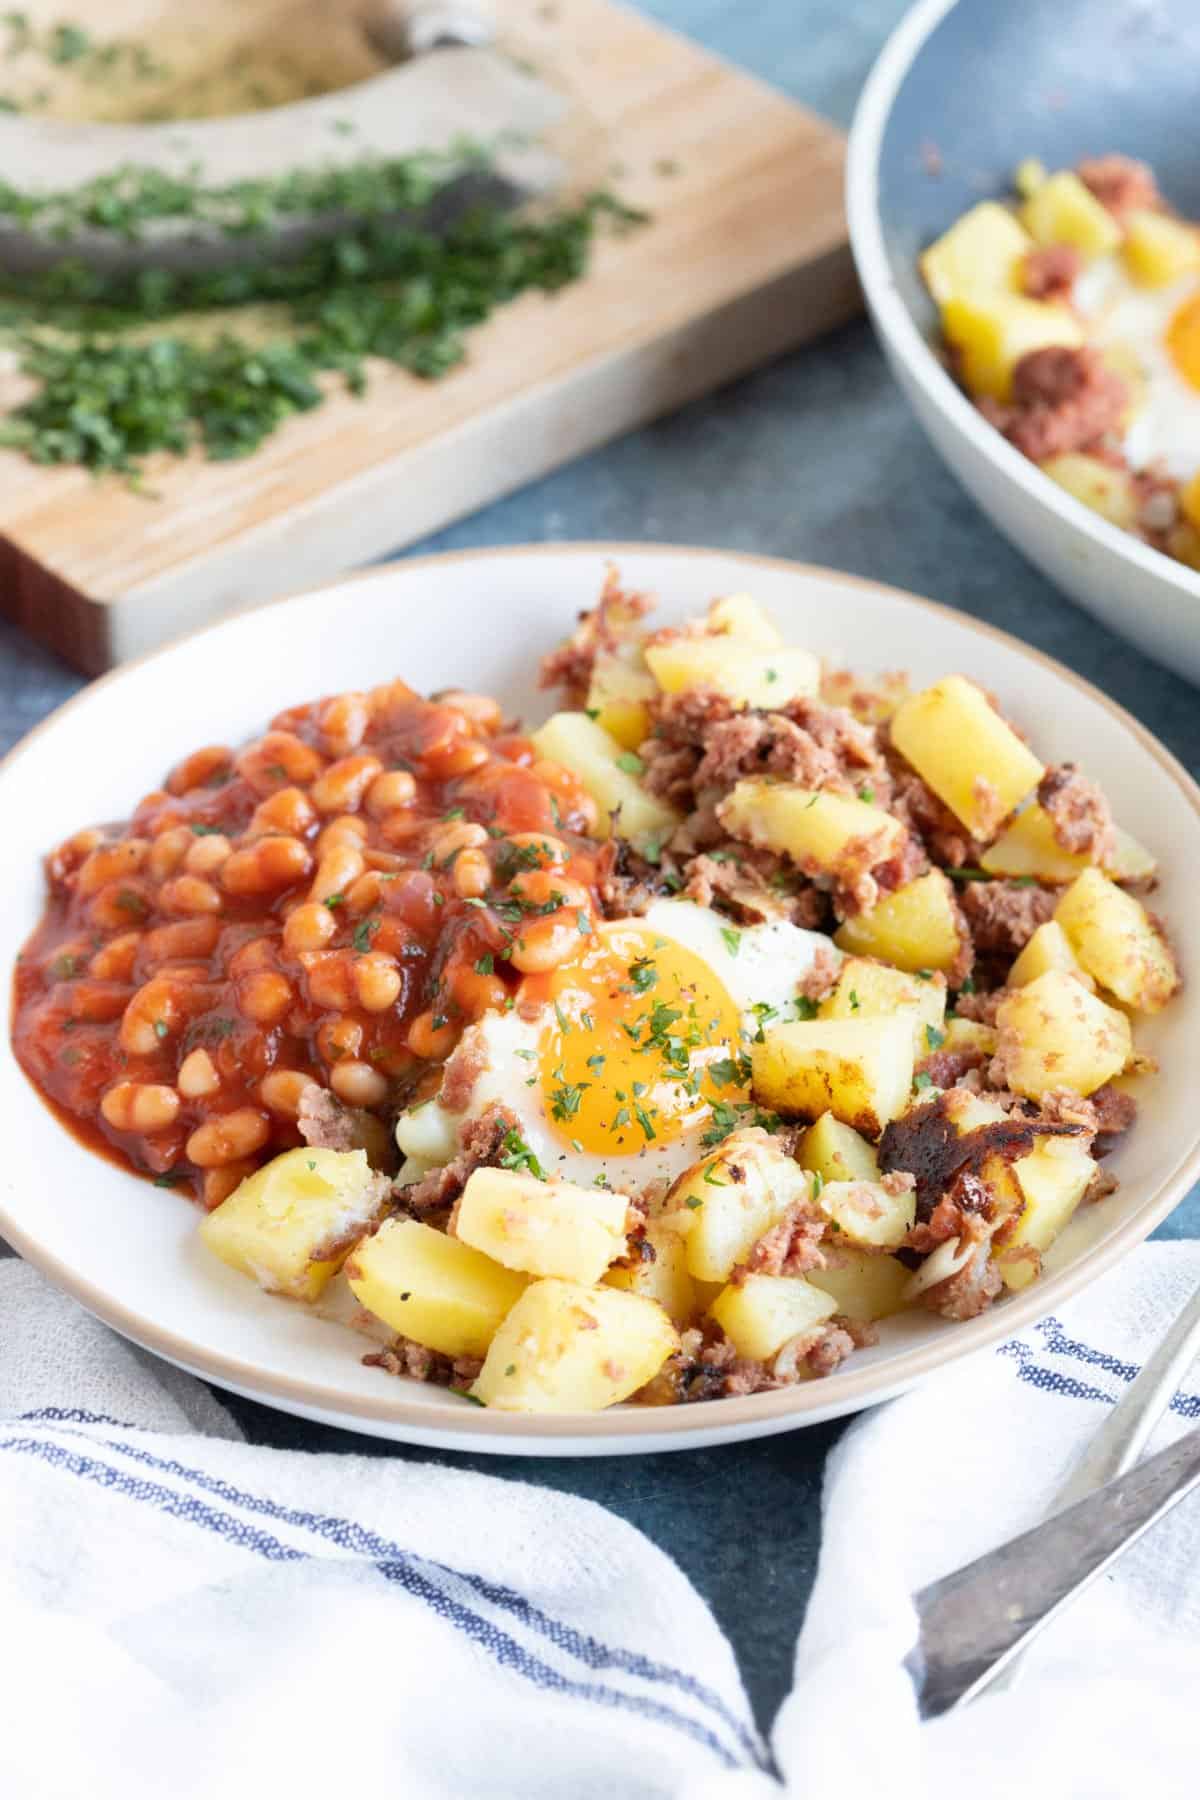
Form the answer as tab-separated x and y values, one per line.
327	907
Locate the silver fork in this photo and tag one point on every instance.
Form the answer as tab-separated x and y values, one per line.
977	1623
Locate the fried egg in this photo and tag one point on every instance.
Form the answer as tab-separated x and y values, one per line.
1161	327
616	1064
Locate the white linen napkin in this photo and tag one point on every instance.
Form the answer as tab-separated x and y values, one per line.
183	1613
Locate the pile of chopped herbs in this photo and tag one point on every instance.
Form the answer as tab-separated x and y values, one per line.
129	364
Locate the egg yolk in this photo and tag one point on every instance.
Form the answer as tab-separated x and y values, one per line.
643	1041
1183	340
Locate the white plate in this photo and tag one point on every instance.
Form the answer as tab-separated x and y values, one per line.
1136	590
128	1251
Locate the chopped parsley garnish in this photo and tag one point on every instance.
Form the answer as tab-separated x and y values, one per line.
207	830
584	923
365	930
161	1028
516	1154
966	873
804	1008
565	1100
866	793
485	965
732	939
64	967
169	1178
923	974
772	674
333	901
694	1202
631	762
854	1000
456	812
597	1062
934	1038
922	1081
132	903
643	975
818	1182
712	1178
967	985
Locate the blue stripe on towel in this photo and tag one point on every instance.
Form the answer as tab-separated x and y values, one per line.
347	1534
503	1648
1054	1381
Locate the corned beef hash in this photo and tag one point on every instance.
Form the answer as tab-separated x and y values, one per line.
655	1054
1072	318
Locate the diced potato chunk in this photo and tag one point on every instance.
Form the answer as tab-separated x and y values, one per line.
870	990
993	331
1048	948
1053	1179
427	1132
746	674
1054	1034
867	1214
1159	249
1028	846
565	1347
1116	941
726	1203
1063	211
969	1034
617	698
861	1070
760	1314
432	1288
290	1225
971	757
983	249
542	1227
665	1276
584	747
915	928
1130	861
1101	488
822	832
738	616
837	1152
863	1284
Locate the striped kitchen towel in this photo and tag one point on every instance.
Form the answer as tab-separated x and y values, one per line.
184	1614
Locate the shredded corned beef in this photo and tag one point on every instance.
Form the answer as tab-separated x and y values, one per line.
918	807
1002	915
1079	813
1064	398
404	1357
1120	183
570	665
969	1291
790	1247
820	978
325	1123
479	1142
754	885
1049	272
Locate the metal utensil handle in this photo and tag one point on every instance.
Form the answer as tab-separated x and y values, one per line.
975	1619
1122	1438
440	24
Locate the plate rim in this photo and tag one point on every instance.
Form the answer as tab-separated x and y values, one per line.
461	1426
901	337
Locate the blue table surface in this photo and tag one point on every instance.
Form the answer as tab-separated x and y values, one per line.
818	458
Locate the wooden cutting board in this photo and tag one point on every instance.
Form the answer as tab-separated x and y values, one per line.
745	257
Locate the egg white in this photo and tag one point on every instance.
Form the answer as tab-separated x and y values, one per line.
1167	425
759	966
